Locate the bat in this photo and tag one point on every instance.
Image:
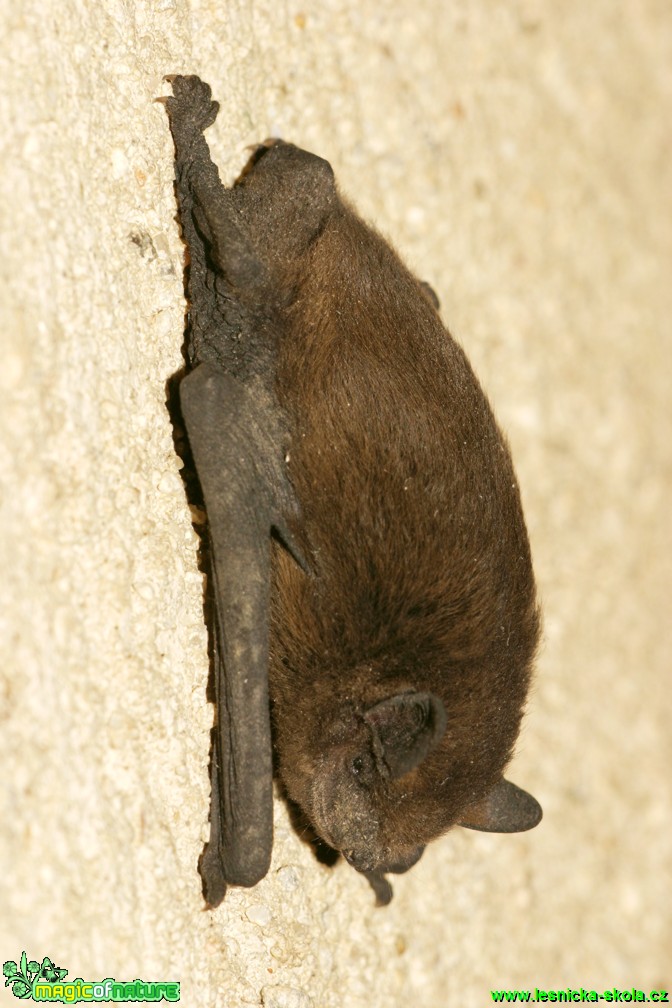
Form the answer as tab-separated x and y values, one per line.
375	617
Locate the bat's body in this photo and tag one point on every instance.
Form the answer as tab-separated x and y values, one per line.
393	625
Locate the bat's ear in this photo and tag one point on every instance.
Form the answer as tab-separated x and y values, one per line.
404	728
505	809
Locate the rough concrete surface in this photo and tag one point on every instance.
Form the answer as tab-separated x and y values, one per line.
520	156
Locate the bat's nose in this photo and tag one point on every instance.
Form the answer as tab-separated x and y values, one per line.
359	862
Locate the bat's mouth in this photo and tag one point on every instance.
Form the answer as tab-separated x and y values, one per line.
395	866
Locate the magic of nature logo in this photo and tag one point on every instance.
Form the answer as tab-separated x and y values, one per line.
46	982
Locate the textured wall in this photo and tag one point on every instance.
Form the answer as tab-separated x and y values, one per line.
519	155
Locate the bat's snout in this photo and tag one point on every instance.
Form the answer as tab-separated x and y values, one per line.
359	862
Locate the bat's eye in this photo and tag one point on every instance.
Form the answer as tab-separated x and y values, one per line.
362	767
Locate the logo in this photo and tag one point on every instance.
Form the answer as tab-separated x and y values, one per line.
46	982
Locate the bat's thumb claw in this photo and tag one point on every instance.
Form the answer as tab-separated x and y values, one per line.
214	883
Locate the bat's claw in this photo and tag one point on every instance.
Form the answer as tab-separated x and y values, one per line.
214	883
190	108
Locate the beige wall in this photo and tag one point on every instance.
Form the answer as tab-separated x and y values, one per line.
519	155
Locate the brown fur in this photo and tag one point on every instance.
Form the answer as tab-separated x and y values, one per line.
412	518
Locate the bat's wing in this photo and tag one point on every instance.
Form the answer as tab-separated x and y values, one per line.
246	493
236	436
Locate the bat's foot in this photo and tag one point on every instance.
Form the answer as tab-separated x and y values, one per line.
191	108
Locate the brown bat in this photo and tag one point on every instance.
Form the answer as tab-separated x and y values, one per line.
375	618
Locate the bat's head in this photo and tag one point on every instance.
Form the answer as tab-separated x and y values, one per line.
374	794
367	753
